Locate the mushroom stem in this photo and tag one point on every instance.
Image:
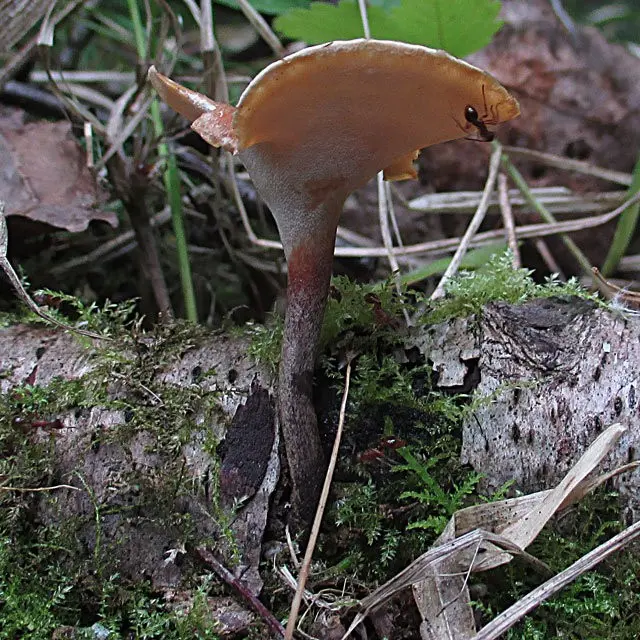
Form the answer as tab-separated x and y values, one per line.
307	214
309	278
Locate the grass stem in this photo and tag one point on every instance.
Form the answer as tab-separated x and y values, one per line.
543	212
171	180
624	229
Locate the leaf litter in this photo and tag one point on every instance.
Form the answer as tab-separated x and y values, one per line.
44	177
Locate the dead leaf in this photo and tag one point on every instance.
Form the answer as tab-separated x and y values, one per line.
43	175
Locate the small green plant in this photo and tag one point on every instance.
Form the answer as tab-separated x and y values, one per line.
366	311
441	504
384	381
109	319
30	601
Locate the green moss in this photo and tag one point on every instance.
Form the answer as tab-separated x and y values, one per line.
604	603
265	343
46	578
369	318
469	291
35	588
39	594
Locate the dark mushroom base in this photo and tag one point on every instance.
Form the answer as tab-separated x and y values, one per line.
309	278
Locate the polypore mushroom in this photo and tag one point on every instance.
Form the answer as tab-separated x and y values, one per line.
310	129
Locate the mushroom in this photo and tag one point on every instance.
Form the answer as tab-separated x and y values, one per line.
310	129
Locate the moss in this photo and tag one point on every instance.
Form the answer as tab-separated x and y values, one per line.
604	603
367	318
469	291
47	579
265	343
41	595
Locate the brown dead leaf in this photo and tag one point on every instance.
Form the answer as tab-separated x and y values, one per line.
43	175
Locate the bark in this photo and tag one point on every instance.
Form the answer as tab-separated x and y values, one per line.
546	377
558	372
152	492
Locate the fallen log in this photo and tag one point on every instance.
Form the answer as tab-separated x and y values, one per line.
545	377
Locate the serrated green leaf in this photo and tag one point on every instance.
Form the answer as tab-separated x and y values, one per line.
269	7
459	26
324	22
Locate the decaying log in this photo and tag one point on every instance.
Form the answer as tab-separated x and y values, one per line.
555	373
546	378
147	497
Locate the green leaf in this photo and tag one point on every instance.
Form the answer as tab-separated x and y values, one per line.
324	22
269	7
459	26
473	260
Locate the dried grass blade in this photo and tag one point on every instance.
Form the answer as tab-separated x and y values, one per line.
508	618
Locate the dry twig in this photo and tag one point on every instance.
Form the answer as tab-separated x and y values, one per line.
507	220
474	225
226	576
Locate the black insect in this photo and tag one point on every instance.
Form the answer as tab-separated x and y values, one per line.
471	116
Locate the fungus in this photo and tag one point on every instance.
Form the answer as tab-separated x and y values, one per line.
310	129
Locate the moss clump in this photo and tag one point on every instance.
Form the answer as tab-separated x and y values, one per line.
57	568
359	316
497	280
604	603
265	343
41	596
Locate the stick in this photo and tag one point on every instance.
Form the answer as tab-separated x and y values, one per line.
474	225
507	220
226	576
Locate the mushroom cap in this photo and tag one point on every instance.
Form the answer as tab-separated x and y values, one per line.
375	99
316	125
378	99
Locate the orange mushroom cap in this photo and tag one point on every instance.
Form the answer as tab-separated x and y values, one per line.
320	123
378	98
